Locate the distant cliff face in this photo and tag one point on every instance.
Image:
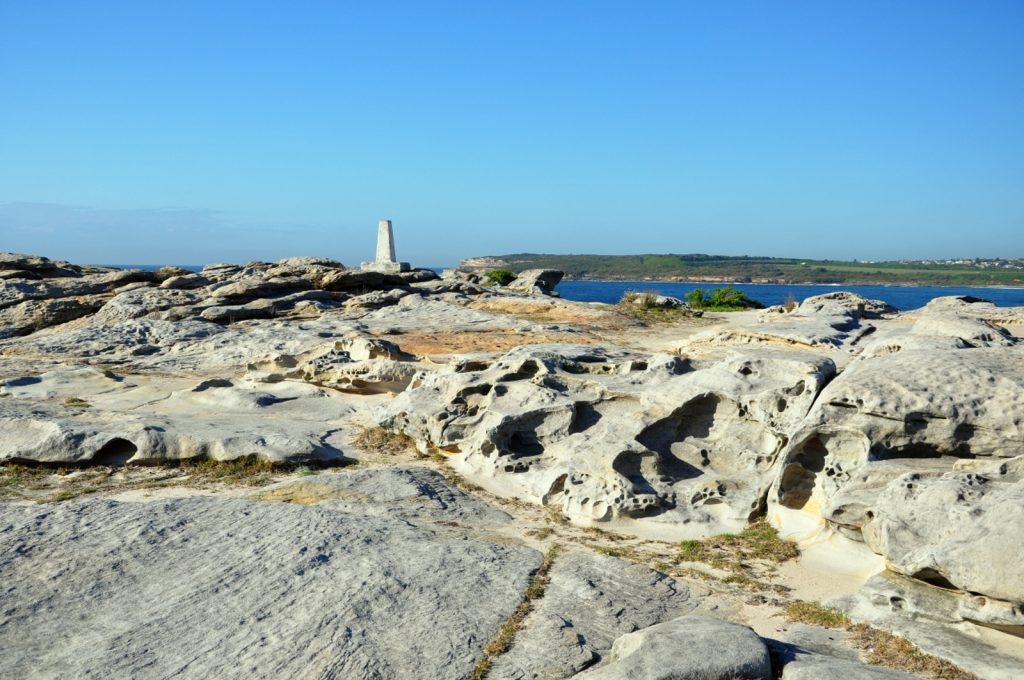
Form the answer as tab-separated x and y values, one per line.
479	263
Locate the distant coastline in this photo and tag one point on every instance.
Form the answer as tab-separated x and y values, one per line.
738	282
748	270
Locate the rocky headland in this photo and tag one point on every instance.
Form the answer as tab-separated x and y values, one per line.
299	469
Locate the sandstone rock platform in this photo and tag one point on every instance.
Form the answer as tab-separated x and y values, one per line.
295	468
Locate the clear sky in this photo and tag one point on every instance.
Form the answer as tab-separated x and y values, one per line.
191	132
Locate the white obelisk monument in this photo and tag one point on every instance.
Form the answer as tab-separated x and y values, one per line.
386	262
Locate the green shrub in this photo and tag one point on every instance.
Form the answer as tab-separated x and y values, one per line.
501	277
725	299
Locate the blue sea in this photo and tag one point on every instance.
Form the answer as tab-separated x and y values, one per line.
901	297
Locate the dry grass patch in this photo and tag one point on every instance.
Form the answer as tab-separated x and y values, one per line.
548	310
502	642
14	478
540	533
49	484
428	343
247	471
643	306
386	442
750	556
882	648
732	552
817	614
878	647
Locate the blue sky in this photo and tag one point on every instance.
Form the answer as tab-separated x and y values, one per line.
193	132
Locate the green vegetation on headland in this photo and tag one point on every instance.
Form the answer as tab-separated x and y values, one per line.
745	269
649	306
726	299
501	277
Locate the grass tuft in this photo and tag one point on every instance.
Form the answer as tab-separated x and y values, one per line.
610	551
502	642
882	648
385	442
247	471
48	484
14	476
801	611
642	306
759	541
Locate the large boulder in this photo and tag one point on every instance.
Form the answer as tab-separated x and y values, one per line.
939	622
951	530
540	281
834	321
922	409
695	647
686	448
34	315
36	267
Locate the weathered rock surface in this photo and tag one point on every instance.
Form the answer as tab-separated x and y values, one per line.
35	266
933	619
687	647
903	432
606	437
950	529
822	667
26	317
214	587
889	408
87	415
590	601
355	364
834	321
537	281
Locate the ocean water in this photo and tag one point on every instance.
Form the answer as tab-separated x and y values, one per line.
901	297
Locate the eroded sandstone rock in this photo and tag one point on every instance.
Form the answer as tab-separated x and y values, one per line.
606	437
220	586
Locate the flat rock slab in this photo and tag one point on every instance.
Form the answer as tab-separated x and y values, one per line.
697	647
590	601
78	415
822	667
216	587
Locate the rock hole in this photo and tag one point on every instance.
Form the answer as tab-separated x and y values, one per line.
472	367
556	489
935	578
797	483
115	452
585	416
527	370
525	443
887	451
